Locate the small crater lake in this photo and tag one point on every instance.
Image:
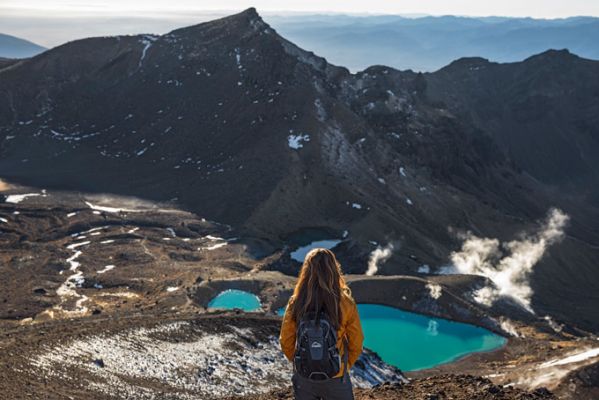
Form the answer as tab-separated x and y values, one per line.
233	298
412	341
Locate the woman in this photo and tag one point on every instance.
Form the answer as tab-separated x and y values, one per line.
321	289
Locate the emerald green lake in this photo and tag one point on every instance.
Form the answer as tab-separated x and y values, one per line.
413	341
234	298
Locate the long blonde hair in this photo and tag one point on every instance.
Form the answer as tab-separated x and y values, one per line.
320	285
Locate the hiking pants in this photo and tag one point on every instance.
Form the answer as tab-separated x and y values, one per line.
332	389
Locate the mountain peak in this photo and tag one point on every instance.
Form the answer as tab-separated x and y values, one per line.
244	21
553	54
467	63
249	12
248	16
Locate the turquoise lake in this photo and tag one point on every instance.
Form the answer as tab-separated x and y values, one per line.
412	341
234	298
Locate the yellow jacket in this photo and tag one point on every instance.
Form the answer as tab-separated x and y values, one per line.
350	328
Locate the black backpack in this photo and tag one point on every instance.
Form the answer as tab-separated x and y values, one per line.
316	353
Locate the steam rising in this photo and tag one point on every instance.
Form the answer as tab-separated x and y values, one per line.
380	254
434	290
509	327
510	273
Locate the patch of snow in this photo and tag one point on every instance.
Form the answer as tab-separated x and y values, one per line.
106	269
300	253
409	201
172	288
147	41
402	171
295	141
214	246
110	209
79	244
356	205
238	58
69	215
554	325
573	358
67	289
17	198
424	269
210	237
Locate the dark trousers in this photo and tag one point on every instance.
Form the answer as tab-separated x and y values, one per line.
332	389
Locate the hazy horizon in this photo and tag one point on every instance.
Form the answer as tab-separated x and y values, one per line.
61	21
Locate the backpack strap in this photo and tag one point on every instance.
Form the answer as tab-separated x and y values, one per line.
316	309
345	360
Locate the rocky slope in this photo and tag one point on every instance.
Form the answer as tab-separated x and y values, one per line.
443	387
185	358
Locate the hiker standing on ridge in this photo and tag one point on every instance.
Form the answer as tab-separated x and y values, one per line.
321	331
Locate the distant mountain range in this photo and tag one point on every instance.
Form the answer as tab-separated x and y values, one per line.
14	47
243	127
429	43
422	43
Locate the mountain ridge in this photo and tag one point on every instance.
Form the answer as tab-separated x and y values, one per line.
15	47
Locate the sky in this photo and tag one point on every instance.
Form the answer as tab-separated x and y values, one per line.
535	8
52	22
